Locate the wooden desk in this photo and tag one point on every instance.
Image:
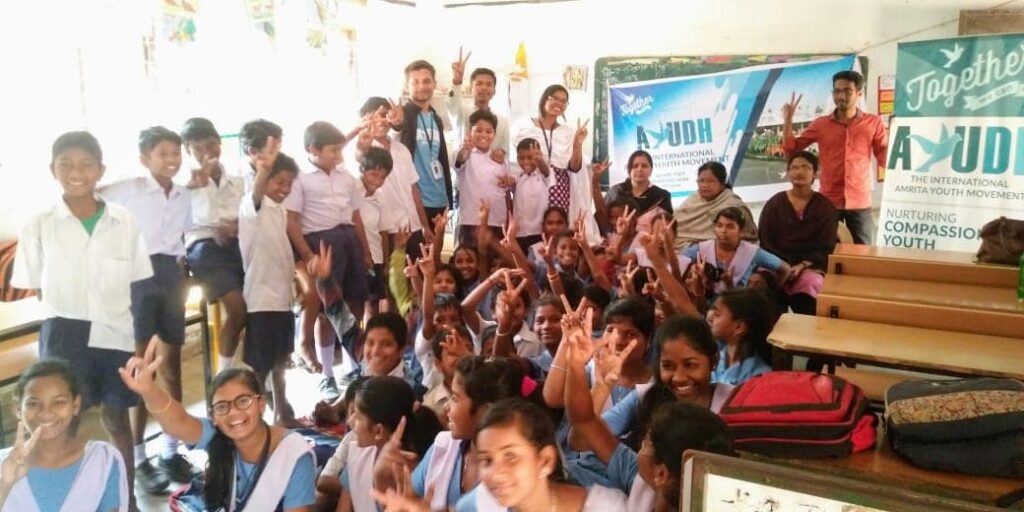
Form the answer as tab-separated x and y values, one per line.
883	465
909	348
923	292
919	265
20	317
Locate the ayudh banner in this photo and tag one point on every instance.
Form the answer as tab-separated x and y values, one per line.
956	159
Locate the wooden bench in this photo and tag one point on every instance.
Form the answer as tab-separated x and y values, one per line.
895	346
882	464
919	314
919	265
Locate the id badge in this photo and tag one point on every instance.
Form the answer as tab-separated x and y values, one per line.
438	170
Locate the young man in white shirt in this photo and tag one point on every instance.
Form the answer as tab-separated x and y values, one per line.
163	212
269	269
324	205
82	256
212	241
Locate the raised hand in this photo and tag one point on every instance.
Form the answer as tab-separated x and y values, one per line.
506	181
265	157
498	155
402	237
402	498
459	67
577	329
597	169
201	176
426	263
581	131
396	115
484	210
440	223
451	345
652	288
626	278
410	268
624	224
15	466
139	373
547	250
789	109
391	456
608	360
320	265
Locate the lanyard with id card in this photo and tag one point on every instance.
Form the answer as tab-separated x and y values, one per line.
435	165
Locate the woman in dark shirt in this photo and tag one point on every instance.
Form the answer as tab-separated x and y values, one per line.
638	185
799	225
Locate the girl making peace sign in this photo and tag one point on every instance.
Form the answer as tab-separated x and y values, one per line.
253	465
49	468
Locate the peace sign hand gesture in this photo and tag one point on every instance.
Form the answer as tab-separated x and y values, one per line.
396	115
265	157
626	278
320	265
15	466
581	131
789	109
623	225
597	169
391	456
609	359
139	373
402	498
459	68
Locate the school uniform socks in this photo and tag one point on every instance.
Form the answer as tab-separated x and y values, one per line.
327	360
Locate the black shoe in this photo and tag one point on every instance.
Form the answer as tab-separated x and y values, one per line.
150	478
178	468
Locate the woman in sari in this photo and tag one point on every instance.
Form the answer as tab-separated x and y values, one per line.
695	217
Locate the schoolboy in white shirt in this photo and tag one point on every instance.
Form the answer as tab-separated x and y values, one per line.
481	180
269	273
211	244
163	211
529	198
82	256
324	205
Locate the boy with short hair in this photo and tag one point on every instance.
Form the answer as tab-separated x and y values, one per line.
400	190
163	211
483	82
375	166
482	181
324	206
422	133
253	137
212	242
528	199
269	269
82	256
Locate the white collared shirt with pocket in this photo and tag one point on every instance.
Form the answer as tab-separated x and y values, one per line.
83	277
213	205
323	200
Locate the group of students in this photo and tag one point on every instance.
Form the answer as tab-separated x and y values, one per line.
563	358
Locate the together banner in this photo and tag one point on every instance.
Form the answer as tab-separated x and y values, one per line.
955	155
734	117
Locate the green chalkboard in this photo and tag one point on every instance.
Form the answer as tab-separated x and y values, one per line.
617	70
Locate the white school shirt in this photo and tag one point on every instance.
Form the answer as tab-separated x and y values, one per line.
526	341
323	200
529	201
478	180
84	277
266	255
581	197
396	193
371	213
162	217
214	204
458	115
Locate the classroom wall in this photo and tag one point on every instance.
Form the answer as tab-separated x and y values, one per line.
43	78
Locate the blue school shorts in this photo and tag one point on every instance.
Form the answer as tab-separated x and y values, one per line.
218	268
94	368
158	303
269	338
347	269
